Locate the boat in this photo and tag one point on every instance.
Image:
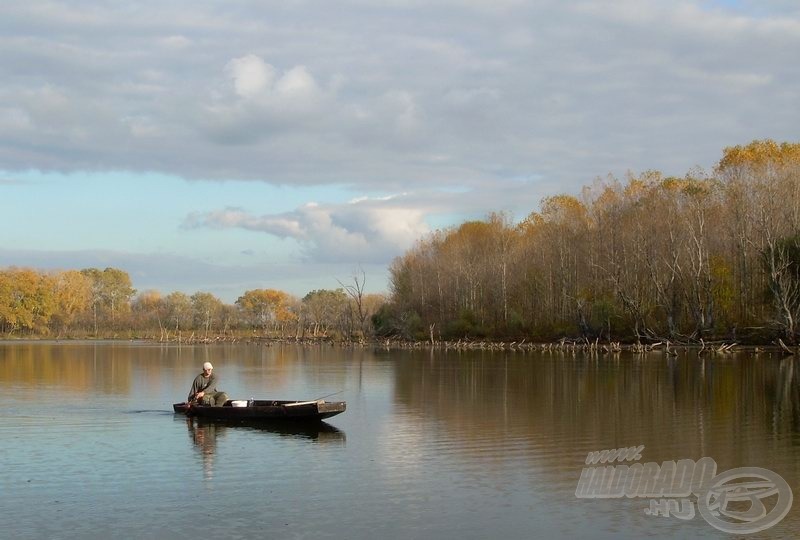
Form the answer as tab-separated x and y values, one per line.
264	410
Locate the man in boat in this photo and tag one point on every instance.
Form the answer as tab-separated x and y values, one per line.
204	389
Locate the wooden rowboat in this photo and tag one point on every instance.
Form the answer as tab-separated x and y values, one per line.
264	410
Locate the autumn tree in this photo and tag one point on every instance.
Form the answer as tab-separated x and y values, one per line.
178	308
325	310
266	308
72	293
112	291
762	187
206	309
26	299
149	311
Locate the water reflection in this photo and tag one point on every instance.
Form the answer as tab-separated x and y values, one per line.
127	367
739	409
444	445
205	441
205	434
77	367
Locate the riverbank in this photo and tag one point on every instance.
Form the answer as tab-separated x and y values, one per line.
712	348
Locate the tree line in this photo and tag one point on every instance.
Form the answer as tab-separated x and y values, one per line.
103	303
650	257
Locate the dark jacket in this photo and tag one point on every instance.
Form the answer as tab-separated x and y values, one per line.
202	384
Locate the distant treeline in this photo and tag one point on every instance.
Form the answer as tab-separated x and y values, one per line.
652	257
103	303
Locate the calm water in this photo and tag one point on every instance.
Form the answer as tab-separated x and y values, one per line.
443	445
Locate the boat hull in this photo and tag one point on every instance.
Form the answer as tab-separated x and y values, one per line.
264	410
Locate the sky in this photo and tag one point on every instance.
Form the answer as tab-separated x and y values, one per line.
224	146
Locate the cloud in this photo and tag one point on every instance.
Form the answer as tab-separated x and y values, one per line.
176	42
363	231
400	96
251	75
297	83
263	104
256	82
375	230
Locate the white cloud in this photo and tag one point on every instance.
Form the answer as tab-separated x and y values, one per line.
255	79
364	230
297	83
265	106
251	75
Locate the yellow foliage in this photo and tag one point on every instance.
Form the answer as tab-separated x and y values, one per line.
635	188
759	154
267	305
26	298
564	209
688	186
73	293
147	300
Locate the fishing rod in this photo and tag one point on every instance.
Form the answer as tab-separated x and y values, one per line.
329	395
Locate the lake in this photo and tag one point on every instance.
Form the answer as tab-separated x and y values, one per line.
445	444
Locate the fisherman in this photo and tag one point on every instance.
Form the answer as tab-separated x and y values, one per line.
204	389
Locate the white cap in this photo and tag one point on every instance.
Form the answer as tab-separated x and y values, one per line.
208	365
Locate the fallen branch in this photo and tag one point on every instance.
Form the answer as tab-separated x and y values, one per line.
784	347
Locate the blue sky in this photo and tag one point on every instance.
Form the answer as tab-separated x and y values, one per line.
222	146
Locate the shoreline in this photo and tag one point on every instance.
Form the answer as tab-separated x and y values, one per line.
668	348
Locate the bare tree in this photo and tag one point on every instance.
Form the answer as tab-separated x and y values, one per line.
356	293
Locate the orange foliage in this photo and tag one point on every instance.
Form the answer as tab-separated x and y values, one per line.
760	154
265	306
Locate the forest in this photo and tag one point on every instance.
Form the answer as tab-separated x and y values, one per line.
647	258
103	303
650	257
